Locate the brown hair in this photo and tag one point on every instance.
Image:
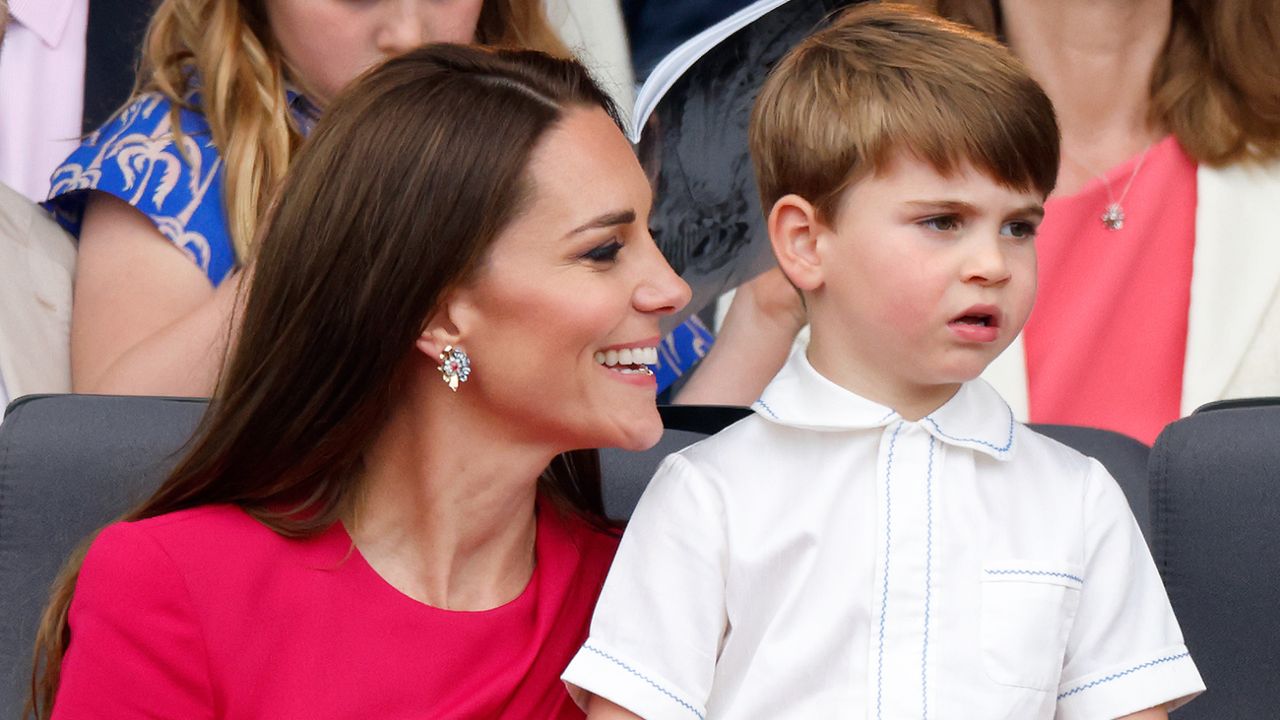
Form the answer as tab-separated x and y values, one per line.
1215	85
224	49
883	79
399	193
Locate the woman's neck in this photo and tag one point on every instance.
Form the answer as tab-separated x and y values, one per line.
1094	59
445	511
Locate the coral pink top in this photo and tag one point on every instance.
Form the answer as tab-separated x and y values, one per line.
1106	342
206	613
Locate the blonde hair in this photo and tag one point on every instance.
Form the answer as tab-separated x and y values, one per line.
884	79
1214	86
223	50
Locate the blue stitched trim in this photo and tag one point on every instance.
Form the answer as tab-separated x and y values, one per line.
886	417
767	409
645	678
1008	443
928	582
1037	572
884	591
1115	676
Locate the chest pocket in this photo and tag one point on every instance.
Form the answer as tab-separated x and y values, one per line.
1027	611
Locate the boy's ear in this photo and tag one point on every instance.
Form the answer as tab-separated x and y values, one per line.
794	229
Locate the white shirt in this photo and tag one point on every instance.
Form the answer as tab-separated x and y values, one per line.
42	86
827	558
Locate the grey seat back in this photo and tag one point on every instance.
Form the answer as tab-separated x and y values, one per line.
1215	517
69	464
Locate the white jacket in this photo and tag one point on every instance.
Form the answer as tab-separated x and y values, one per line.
37	262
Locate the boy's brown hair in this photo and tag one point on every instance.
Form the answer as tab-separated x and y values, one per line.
887	78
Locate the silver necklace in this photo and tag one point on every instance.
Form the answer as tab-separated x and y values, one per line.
1113	217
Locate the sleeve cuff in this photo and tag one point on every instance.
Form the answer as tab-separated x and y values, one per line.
598	671
1167	678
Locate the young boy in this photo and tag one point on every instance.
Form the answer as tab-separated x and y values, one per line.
882	539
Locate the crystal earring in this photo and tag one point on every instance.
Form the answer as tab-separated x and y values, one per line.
455	366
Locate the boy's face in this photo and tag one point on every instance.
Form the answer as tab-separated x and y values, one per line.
925	278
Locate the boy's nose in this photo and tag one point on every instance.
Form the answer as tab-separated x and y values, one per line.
987	263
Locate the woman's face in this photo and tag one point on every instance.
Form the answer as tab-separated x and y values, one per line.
329	42
570	285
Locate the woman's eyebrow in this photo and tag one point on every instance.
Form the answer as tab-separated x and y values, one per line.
609	219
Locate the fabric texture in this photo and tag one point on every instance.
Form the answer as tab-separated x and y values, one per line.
38	262
138	158
1107	340
827	557
42	73
206	613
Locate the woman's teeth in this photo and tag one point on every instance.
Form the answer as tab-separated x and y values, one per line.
628	357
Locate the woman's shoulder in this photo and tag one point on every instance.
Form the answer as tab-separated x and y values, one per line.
172	175
199	537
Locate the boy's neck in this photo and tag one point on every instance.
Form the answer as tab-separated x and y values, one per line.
1094	59
912	402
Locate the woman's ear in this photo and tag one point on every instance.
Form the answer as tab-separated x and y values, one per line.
440	329
794	230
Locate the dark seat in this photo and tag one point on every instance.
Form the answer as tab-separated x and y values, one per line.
1215	519
70	464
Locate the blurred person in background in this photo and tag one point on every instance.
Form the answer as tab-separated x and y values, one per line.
37	261
165	198
386	512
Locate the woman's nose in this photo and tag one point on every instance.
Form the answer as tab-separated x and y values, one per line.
661	290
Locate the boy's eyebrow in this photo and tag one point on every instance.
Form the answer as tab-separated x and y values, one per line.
960	207
609	219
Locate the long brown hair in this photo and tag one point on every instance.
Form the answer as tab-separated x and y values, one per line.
224	49
397	196
1215	85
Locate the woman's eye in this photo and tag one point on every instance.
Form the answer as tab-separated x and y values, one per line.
607	252
942	223
1020	229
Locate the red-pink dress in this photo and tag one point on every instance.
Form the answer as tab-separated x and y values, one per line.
1107	339
206	613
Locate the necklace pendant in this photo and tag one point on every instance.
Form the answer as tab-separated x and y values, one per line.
1113	218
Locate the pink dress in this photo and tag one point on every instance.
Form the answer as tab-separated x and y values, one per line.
206	613
1107	339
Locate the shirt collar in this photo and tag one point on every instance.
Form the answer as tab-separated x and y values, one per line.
46	18
976	417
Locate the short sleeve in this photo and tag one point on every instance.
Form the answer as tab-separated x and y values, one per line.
658	626
136	647
1125	652
679	351
176	183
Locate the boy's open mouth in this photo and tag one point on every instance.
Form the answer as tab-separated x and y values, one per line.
978	319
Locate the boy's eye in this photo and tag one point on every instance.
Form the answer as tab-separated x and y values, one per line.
1019	229
942	223
605	253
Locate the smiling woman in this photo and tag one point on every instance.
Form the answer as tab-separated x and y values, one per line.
349	536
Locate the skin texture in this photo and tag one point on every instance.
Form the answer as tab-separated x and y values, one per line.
910	251
446	514
330	42
146	320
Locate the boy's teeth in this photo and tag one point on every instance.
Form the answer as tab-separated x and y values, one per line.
628	357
